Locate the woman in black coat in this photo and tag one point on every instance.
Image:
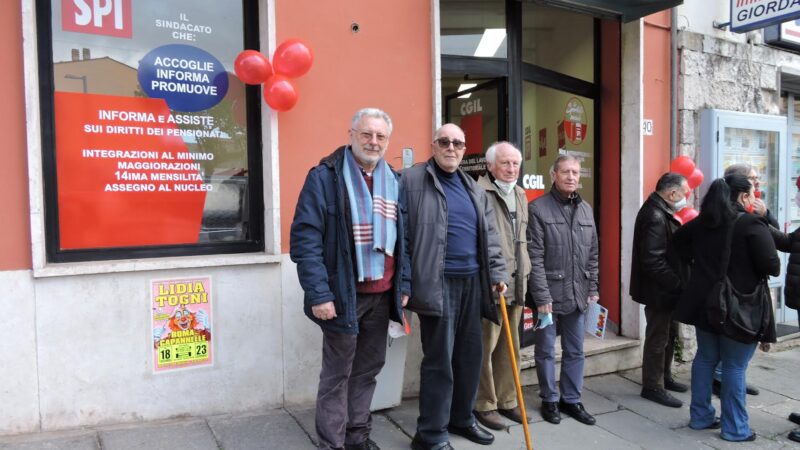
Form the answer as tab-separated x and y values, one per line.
702	243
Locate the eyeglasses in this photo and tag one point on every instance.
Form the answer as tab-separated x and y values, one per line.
366	136
444	142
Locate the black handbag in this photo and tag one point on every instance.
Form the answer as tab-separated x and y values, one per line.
743	317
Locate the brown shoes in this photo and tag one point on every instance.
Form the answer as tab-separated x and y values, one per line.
513	414
491	419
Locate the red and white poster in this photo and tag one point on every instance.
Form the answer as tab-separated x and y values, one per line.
150	132
125	175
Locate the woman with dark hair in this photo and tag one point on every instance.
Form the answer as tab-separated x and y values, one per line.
704	242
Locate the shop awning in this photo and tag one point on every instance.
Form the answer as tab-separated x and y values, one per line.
624	10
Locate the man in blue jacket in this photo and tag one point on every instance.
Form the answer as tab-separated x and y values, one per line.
348	241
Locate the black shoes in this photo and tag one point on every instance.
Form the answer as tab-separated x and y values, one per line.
577	412
795	417
490	419
369	444
794	435
473	432
550	412
661	397
671	385
716	388
417	444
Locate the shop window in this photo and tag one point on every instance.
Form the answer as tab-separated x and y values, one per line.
151	144
559	40
473	28
556	122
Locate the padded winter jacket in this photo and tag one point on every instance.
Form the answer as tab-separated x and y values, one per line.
322	247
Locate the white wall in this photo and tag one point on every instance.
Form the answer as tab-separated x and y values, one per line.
87	340
19	397
699	15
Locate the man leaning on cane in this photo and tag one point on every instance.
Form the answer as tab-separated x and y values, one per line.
497	396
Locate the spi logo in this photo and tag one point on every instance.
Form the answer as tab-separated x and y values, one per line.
108	17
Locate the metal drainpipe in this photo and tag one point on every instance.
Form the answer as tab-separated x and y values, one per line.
673	61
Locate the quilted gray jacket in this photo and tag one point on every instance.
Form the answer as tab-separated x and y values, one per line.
562	245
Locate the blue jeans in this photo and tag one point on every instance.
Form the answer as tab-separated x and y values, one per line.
572	358
734	357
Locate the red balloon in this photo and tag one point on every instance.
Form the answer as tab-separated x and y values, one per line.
695	179
686	214
252	67
682	165
279	92
292	58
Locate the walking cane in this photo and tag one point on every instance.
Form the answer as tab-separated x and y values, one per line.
511	352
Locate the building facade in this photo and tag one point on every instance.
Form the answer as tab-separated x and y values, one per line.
149	192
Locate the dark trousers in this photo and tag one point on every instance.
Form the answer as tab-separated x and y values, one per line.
659	340
347	380
451	362
572	358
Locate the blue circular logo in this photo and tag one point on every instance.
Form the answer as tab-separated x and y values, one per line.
188	78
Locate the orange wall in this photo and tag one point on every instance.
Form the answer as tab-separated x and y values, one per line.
387	64
15	241
656	93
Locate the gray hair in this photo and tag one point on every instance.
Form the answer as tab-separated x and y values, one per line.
491	152
669	181
742	169
371	112
560	159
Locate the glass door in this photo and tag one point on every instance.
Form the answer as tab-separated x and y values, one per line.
480	111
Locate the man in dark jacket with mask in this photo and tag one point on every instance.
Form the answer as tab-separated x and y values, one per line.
348	241
657	276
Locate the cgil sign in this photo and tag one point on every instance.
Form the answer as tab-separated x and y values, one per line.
749	15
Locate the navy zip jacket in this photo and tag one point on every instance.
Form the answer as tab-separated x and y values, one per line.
321	246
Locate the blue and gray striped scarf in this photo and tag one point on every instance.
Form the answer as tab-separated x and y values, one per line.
374	217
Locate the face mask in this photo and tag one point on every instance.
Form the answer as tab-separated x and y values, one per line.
797	199
543	321
505	186
680	204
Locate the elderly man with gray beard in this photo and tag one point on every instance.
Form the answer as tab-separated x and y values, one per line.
348	241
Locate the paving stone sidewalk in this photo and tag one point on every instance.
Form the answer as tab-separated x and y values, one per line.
624	421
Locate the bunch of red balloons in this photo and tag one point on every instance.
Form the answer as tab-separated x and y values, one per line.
291	59
694	176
